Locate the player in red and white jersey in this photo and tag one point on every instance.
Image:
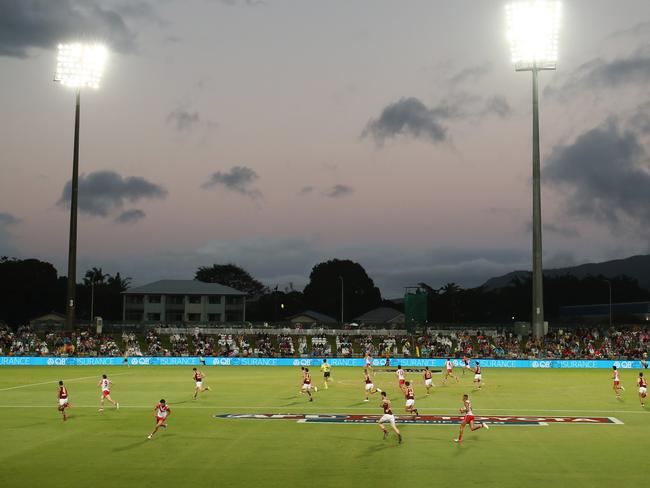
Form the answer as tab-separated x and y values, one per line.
63	400
477	375
428	380
388	417
370	386
306	384
449	372
161	411
105	385
401	376
466	365
643	389
617	382
409	394
198	383
468	419
368	362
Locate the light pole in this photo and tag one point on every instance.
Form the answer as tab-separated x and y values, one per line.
78	66
533	28
609	285
341	278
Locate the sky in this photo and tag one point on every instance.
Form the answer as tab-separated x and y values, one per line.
277	134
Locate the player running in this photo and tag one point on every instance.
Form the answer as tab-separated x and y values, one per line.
477	375
370	386
306	384
449	372
105	385
468	419
326	368
643	389
401	376
368	362
161	412
63	400
388	417
428	381
617	383
198	381
466	365
409	394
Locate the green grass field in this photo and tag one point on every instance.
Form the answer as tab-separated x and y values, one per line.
111	448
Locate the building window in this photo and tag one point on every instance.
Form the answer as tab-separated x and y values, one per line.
136	316
214	317
193	317
234	300
175	316
194	299
153	317
153	298
214	299
135	299
175	299
234	316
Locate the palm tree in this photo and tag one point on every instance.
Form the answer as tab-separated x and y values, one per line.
95	276
118	282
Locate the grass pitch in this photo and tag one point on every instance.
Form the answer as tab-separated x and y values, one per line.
111	448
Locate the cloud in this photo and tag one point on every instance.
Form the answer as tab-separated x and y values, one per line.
130	216
642	29
560	230
7	220
239	179
102	192
338	191
497	105
409	117
607	173
306	190
472	73
183	120
250	3
27	24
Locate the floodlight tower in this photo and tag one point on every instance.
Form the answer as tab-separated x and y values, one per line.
532	29
78	66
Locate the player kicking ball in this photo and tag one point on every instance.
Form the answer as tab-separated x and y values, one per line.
198	382
388	417
105	385
161	412
468	419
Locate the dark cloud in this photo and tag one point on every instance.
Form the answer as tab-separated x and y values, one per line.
104	191
130	216
642	29
26	24
306	190
183	120
604	74
606	172
640	119
473	74
239	179
338	191
560	230
497	105
8	219
409	117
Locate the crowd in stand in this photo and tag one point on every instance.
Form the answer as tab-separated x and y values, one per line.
579	343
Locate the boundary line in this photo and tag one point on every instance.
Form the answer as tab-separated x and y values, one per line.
56	381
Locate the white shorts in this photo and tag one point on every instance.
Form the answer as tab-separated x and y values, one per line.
410	403
199	384
428	382
387	418
63	401
477	377
642	390
306	386
467	366
369	386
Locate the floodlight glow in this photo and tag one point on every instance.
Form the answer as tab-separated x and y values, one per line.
80	65
533	28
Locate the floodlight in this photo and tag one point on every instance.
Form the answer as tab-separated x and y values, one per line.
533	28
80	65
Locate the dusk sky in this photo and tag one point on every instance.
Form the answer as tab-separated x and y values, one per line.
276	134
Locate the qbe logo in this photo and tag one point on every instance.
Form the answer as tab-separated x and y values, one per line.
56	362
541	364
140	361
623	364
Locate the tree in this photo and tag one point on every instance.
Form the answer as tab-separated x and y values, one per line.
96	276
232	276
323	293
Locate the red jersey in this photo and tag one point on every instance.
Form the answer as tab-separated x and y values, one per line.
466	361
307	379
409	394
63	392
105	384
449	366
387	410
366	378
198	376
427	374
467	407
477	370
162	410
642	382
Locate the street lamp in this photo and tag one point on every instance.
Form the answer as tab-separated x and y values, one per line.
78	66
532	30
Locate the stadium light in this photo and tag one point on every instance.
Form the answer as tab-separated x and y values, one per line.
78	66
533	29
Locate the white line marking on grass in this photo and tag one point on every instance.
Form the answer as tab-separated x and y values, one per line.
56	381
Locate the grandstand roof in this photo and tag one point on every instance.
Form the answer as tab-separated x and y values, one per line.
314	316
182	287
381	315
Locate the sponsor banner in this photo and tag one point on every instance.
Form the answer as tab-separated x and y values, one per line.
503	420
310	362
